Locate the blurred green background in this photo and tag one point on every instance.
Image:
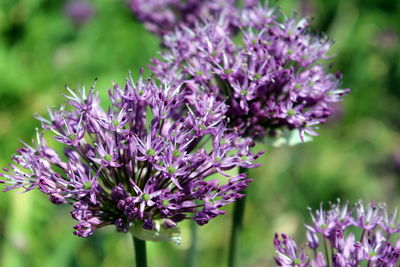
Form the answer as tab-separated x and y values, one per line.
42	50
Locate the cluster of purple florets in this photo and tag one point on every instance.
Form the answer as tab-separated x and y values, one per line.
269	70
162	16
332	237
79	11
148	156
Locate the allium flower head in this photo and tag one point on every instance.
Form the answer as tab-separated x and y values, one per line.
162	16
79	11
332	239
143	163
269	69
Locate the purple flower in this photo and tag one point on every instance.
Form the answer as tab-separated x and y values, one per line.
161	16
312	240
368	218
396	157
288	254
268	69
143	165
79	11
326	222
390	223
336	227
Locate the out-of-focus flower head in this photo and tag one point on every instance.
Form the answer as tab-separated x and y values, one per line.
79	11
143	164
308	8
387	40
270	70
396	157
162	16
332	238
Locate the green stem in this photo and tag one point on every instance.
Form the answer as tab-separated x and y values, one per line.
140	252
192	257
326	252
237	226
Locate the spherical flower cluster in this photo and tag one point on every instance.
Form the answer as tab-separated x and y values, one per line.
162	16
79	11
146	162
269	70
332	238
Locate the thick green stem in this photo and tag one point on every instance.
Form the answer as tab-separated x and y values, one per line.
140	252
237	226
192	256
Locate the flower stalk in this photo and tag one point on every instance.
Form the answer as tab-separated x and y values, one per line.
192	254
326	252
237	227
140	252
